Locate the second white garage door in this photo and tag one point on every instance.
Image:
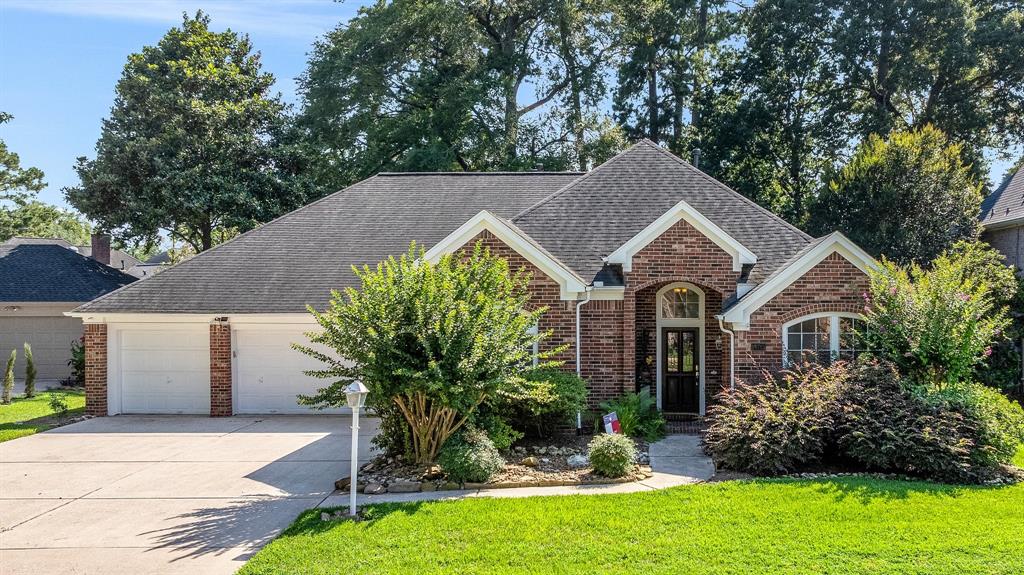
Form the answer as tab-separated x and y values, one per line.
269	373
165	368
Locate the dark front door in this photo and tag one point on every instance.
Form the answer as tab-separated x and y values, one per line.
679	370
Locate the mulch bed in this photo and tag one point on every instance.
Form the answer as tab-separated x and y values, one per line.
529	464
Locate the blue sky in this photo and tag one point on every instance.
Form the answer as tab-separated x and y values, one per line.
60	59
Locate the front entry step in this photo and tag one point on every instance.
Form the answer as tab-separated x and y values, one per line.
685	423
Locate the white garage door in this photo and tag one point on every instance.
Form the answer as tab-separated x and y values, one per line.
165	369
269	373
50	338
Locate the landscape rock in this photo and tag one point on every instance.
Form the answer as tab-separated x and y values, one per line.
374	489
577	461
404	487
433	472
530	461
343	483
325	516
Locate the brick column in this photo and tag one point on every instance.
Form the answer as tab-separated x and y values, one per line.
220	369
95	342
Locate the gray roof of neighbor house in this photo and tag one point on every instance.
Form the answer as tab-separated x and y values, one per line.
1006	204
579	219
298	258
118	259
49	272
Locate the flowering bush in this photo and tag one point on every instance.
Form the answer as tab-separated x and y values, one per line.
937	325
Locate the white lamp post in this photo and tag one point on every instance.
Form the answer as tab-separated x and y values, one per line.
355	395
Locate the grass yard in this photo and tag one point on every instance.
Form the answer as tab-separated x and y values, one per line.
784	526
27	416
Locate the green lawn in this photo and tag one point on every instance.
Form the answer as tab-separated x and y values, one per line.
27	416
845	526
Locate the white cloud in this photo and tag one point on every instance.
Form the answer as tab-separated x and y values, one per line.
288	18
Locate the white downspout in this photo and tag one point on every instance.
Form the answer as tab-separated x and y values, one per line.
579	364
732	353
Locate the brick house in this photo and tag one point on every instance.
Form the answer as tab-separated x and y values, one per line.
1002	221
655	275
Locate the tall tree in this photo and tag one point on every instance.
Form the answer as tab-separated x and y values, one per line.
908	197
191	144
35	219
16	182
955	65
783	132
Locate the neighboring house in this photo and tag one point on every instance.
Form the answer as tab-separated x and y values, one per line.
671	280
40	280
1002	217
153	265
117	259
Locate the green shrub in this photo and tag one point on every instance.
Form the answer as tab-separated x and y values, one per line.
470	456
549	398
30	372
58	403
5	394
887	427
499	431
77	361
638	415
998	422
612	455
774	427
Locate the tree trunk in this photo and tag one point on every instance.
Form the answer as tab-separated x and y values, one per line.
652	97
571	68
207	231
696	109
431	425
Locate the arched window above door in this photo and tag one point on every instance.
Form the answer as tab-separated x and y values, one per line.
680	301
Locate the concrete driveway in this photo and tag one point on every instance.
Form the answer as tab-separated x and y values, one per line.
135	494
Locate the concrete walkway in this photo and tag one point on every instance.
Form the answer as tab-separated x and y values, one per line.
675	460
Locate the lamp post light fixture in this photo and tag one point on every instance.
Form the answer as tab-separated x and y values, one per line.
355	396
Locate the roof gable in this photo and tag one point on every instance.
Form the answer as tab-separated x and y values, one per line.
592	217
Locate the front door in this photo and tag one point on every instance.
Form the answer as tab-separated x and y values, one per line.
679	370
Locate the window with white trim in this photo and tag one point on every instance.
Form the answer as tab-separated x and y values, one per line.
821	339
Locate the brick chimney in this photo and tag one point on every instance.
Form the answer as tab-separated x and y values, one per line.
101	248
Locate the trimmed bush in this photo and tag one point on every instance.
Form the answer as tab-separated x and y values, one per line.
77	361
470	456
30	372
549	398
501	434
998	422
5	394
775	427
612	455
638	415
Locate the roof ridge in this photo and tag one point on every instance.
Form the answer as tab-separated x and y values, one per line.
715	182
497	173
171	269
577	181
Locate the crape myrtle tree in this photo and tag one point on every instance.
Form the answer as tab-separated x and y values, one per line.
432	342
195	141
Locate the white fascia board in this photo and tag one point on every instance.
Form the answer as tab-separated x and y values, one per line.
571	285
682	211
104	317
762	294
608	293
1018	221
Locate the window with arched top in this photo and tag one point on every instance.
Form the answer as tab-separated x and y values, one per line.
822	338
680	302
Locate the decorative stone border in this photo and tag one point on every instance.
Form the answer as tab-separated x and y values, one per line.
641	473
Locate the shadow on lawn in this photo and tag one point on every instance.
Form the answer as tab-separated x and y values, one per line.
867	490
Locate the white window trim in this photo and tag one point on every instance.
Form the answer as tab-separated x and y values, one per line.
833	335
694	322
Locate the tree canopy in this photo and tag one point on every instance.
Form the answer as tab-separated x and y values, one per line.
195	141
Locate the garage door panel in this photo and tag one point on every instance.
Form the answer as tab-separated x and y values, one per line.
270	373
165	369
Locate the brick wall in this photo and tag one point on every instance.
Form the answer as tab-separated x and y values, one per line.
601	354
834	284
681	254
1010	242
96	369
220	369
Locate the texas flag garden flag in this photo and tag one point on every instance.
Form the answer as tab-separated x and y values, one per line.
611	423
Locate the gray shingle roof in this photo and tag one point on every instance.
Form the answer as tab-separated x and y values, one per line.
298	258
593	216
579	219
1006	204
49	272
